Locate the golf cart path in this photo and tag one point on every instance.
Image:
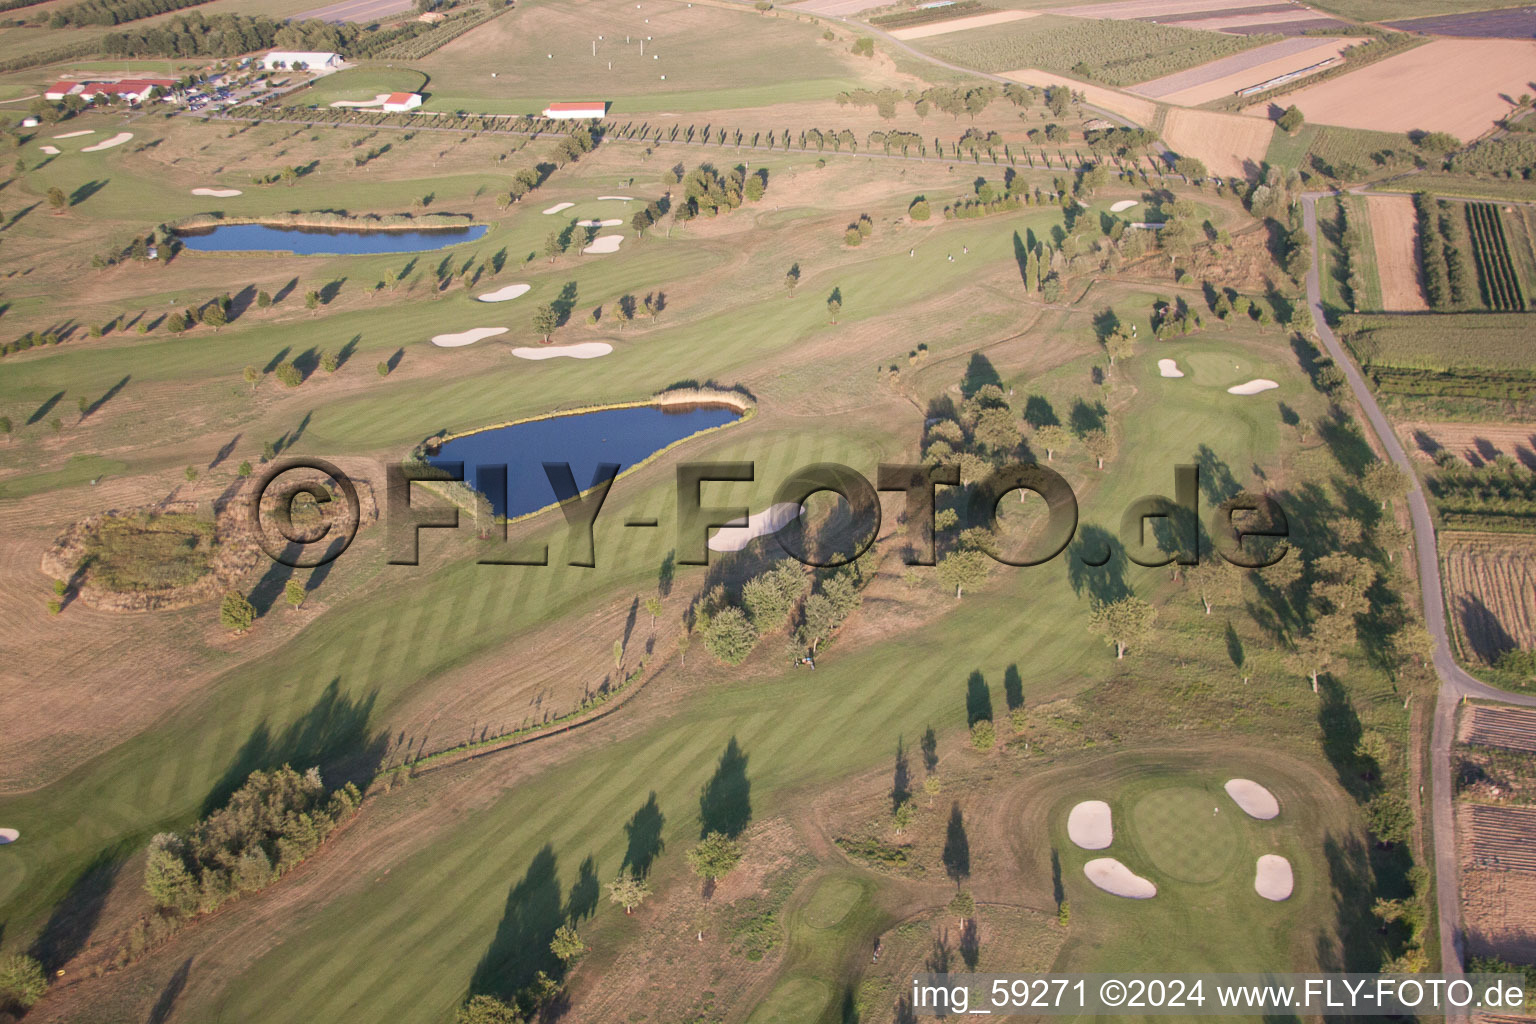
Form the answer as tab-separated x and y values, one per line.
1455	683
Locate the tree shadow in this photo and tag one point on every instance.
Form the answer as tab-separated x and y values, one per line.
1013	688
643	835
1085	418
957	846
224	452
725	805
979	372
1482	628
1058	890
1096	563
930	748
332	735
107	396
45	408
277	359
87	190
901	778
1341	732
978	699
69	926
581	903
1038	412
166	1002
520	948
285	291
970	943
1235	647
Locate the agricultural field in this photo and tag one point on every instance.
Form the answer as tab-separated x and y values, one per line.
1222	78
1501	287
1395	243
278	721
1510	23
1117	53
1491	593
1458	86
1234	16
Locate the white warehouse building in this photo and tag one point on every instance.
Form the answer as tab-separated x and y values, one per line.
312	60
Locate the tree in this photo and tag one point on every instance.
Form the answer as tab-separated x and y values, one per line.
57	199
729	635
933	787
834	306
1053	438
22	982
1385	482
383	368
567	945
290	375
1191	168
1210	580
311	299
963	905
295	593
263	300
166	877
545	320
1292	120
484	1009
1099	444
245	469
628	891
236	613
1315	649
714	856
1119	344
57	425
215	317
791	279
961	569
1123	623
553	246
192	474
251	375
983	734
653	606
329	362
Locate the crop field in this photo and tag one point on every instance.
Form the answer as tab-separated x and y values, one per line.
1222	78
1230	144
948	25
1491	591
1113	52
1458	86
1506	727
1394	235
1495	267
1454	355
1511	23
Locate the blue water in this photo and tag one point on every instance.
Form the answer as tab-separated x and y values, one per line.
585	440
324	241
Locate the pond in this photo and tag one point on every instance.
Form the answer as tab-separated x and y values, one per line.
622	437
314	241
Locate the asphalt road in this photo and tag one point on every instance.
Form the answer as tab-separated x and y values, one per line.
1455	684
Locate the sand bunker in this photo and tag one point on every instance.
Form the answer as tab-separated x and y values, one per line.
116	140
1113	877
50	150
1169	368
585	350
1253	387
217	193
377	101
627	199
599	223
8	835
76	135
558	207
468	337
511	291
607	243
738	535
1123	205
1254	799
1090	825
1273	879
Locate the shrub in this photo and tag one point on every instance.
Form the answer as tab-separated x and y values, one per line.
919	209
853	236
728	635
289	374
236	613
983	734
22	982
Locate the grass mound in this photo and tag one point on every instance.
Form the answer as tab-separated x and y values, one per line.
149	551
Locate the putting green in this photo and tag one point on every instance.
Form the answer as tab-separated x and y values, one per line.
794	1001
832	901
1184	840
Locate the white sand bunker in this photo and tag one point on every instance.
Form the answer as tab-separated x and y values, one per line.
1254	799
468	337
76	135
377	101
116	140
217	193
1113	877
585	350
50	150
1123	205
1090	825
739	534
1169	368
558	207
1273	879
1253	387
599	223
511	291
627	199
605	244
8	835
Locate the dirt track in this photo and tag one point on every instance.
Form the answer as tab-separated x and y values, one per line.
1395	234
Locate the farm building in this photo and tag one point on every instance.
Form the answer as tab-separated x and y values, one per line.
400	102
58	90
310	59
575	111
134	90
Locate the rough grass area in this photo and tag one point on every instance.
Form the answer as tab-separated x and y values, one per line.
1112	52
146	551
